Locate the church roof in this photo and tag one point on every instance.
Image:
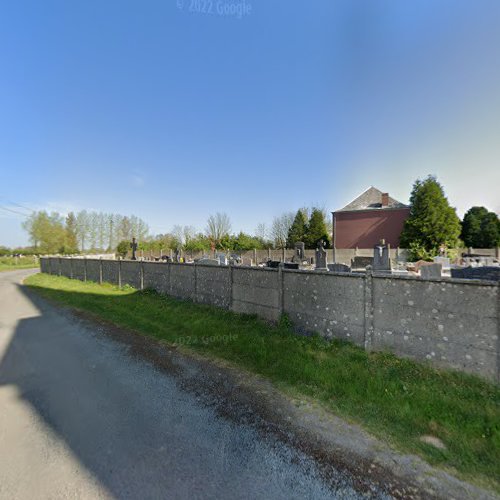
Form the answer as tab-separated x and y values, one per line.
371	199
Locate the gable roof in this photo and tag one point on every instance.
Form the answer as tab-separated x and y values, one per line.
371	199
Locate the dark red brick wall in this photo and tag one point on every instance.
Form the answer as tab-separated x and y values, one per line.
366	229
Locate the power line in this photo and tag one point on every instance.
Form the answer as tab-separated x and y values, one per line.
14	211
17	204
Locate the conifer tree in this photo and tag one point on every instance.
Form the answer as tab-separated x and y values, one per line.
432	221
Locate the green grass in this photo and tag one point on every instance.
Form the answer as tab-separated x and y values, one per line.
12	263
396	399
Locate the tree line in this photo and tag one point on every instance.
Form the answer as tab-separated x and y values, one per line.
81	232
433	225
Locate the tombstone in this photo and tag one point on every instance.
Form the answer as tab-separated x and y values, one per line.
444	261
381	257
300	252
177	255
431	271
222	258
290	265
491	273
339	268
209	262
273	264
321	256
133	246
359	262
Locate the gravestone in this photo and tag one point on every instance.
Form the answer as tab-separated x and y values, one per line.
381	257
133	246
300	252
359	262
208	262
177	255
321	256
444	261
431	271
222	258
273	264
339	268
490	273
290	265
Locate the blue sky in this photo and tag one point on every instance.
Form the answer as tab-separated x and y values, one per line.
152	109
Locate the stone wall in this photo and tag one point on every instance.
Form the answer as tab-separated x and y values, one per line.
451	323
257	291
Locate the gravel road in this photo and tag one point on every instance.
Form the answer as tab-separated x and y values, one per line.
82	416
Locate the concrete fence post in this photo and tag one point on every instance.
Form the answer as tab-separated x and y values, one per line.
268	254
50	265
195	282
255	256
368	298
119	273
142	275
59	273
280	289
71	267
85	269
100	271
231	282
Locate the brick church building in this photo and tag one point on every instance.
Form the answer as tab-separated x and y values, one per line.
370	217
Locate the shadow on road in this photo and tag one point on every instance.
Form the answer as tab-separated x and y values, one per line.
134	430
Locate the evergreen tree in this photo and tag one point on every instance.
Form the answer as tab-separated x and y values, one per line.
316	229
431	223
298	229
481	228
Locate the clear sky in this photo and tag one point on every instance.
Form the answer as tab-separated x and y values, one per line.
147	107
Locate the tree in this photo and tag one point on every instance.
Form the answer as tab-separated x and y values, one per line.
481	228
122	248
298	229
82	228
316	229
432	221
218	227
71	241
47	232
279	229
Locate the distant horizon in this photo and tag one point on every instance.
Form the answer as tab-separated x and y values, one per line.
172	115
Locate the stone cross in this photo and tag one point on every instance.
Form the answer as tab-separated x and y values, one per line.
321	256
381	257
133	246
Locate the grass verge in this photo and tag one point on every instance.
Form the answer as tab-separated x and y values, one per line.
12	263
396	399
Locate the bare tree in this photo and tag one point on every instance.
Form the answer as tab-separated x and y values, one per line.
218	227
279	229
261	231
189	234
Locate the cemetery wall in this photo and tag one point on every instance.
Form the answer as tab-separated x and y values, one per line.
257	291
451	323
78	268
45	266
327	303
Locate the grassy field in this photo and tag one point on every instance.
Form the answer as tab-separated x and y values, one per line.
11	263
395	399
